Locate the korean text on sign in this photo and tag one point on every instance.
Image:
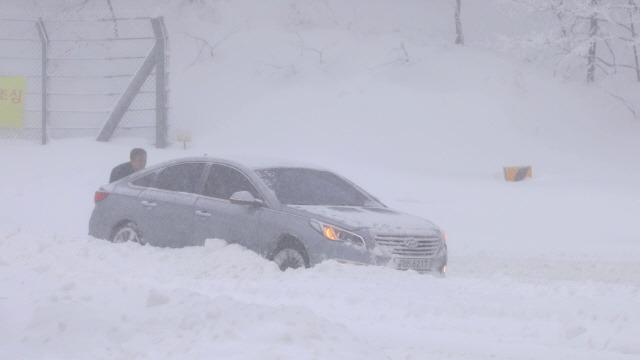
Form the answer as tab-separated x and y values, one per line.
12	101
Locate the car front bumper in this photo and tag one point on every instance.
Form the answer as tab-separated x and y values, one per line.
436	264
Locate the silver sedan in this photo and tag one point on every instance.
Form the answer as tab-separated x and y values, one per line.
294	216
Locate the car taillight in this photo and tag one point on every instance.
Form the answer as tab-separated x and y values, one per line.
100	195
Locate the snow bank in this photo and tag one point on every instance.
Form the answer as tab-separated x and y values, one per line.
78	297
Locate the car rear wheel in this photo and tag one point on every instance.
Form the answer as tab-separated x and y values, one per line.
290	256
128	232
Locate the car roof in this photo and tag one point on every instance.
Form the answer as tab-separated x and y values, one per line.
244	162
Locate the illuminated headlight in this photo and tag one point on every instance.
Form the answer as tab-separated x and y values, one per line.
335	233
444	237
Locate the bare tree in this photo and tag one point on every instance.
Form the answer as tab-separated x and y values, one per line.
593	32
634	9
459	35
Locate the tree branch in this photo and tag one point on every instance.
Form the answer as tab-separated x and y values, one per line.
205	45
624	102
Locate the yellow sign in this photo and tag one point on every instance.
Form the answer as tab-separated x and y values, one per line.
12	101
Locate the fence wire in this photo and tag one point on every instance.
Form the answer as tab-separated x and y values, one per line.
88	66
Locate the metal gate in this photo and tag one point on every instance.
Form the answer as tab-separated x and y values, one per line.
102	78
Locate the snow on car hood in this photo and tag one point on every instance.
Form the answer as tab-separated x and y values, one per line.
377	219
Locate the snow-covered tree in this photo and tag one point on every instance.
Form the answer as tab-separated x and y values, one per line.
599	36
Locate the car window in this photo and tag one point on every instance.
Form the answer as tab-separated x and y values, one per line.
145	181
182	177
223	181
298	186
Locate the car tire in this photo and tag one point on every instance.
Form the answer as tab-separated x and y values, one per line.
128	232
290	256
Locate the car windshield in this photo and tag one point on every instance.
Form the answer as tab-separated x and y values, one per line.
299	186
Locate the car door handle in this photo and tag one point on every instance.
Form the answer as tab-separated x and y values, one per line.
202	213
148	204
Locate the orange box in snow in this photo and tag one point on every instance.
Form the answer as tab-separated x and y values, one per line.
517	173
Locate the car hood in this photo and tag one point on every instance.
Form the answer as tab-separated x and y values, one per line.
377	220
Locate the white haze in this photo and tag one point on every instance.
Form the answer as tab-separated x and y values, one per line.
546	268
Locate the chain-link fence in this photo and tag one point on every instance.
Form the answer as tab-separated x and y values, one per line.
85	78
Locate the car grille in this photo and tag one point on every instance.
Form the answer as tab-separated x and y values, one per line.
409	245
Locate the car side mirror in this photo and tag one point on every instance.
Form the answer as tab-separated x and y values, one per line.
245	198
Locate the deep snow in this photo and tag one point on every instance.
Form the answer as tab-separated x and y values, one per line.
544	268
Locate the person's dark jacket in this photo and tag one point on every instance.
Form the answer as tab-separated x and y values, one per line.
121	171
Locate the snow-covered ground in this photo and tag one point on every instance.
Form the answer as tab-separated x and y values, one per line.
546	268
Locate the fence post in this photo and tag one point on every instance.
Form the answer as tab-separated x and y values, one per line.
44	40
161	91
155	59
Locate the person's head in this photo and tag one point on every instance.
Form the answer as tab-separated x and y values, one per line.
138	159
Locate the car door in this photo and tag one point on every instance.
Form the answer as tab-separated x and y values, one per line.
218	218
169	205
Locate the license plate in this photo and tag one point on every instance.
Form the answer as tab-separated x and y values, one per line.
414	264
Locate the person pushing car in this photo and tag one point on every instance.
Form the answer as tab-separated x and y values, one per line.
137	162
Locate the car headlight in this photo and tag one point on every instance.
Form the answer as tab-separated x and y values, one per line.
335	233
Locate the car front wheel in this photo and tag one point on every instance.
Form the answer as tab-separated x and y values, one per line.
128	232
289	256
